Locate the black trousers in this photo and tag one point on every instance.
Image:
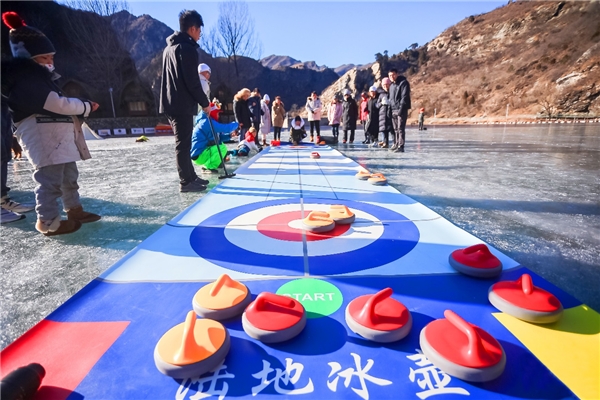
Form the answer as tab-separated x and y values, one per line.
182	128
351	135
315	125
399	122
277	133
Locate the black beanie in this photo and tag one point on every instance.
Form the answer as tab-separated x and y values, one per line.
26	41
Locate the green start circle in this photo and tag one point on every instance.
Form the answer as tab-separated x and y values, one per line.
319	298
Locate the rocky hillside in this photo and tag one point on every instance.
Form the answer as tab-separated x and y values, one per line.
538	58
276	62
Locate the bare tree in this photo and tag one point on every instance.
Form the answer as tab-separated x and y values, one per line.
100	7
208	42
548	107
237	36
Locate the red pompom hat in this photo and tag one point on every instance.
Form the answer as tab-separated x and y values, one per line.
26	41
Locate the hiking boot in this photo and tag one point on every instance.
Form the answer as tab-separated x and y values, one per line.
8	216
84	217
8	204
57	226
195	186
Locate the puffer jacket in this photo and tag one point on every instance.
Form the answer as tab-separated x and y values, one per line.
363	114
48	123
334	113
180	87
400	95
349	114
265	123
278	114
242	113
385	111
314	107
372	124
202	135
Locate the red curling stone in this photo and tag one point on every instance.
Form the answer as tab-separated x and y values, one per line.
462	349
272	318
315	154
523	300
476	261
378	317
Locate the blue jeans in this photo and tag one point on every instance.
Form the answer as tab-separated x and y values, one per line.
54	181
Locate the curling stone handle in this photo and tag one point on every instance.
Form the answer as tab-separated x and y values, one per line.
223	280
368	311
478	247
475	350
265	298
189	351
526	283
318	215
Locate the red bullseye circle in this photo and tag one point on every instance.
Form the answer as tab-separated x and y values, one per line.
277	227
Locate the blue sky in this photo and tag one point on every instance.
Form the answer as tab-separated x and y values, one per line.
333	33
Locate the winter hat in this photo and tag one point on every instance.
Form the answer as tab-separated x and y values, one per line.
203	68
346	91
386	81
250	135
214	111
26	41
373	88
266	97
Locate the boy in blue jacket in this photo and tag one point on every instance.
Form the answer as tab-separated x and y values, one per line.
205	151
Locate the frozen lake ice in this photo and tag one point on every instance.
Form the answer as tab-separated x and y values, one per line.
530	191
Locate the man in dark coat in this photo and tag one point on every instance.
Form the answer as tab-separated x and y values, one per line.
385	112
255	111
349	116
400	103
181	92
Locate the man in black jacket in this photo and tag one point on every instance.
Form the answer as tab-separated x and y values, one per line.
400	104
181	92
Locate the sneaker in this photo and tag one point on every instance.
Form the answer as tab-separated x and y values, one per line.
57	226
344	141
195	186
394	146
8	204
399	150
204	181
8	216
384	146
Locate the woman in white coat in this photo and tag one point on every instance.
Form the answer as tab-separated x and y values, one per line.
265	124
313	106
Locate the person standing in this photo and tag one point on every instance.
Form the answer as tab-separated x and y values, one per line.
349	116
363	114
265	123
181	92
334	115
255	111
241	110
48	126
385	112
400	103
278	117
372	124
314	107
421	118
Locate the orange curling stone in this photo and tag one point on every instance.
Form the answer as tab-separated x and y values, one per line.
192	348
315	154
341	214
476	261
378	317
223	299
377	179
523	300
462	349
363	175
318	221
272	318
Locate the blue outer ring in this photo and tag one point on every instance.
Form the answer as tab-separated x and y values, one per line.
398	239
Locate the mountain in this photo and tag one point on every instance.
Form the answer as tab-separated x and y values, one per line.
275	62
342	69
538	58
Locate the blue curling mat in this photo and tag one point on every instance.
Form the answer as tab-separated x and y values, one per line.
248	227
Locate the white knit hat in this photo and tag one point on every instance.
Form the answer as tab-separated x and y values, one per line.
266	97
346	91
203	68
373	88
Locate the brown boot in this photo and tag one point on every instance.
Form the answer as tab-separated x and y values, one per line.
78	214
57	226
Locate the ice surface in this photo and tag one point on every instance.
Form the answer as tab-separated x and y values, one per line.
530	191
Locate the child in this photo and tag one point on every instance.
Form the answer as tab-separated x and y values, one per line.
247	145
48	127
421	118
297	132
204	150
